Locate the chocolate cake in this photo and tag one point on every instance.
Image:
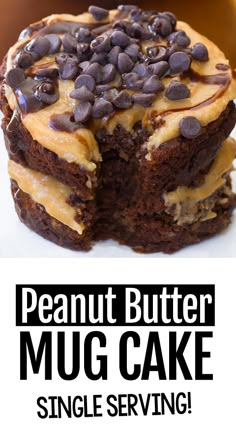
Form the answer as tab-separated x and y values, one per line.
117	126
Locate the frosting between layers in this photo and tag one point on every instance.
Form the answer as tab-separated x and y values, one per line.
206	103
47	191
53	195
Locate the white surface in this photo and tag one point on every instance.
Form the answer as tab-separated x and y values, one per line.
16	240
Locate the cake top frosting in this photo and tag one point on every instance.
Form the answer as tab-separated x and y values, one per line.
71	75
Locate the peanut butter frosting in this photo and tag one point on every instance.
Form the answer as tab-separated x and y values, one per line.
210	84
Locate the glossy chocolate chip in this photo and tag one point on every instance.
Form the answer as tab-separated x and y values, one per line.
69	43
102	108
136	14
190	127
83	94
133	51
144	100
179	62
101	44
124	26
119	38
159	68
64	122
84	65
177	91
127	7
170	16
95	70
98	13
69	69
162	26
108	73
142	70
139	32
153	85
113	55
110	94
101	89
49	73
24	60
85	80
200	52
125	64
40	45
15	77
84	35
47	93
156	53
101	58
123	100
55	43
132	81
83	112
180	38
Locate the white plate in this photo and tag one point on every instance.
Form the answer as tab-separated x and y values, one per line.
16	240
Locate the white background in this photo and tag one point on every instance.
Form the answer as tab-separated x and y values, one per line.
16	240
213	402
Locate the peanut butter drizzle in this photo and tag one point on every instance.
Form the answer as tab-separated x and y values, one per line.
47	191
209	97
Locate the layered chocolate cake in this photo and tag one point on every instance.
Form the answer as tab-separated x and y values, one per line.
117	126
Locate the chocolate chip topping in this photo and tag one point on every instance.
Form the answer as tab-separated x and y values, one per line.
190	127
98	13
15	77
177	91
179	62
83	112
200	52
107	61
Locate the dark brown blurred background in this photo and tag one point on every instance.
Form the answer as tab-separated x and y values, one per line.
214	18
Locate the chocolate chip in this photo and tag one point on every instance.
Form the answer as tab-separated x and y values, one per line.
84	35
169	15
109	72
64	122
144	100
153	85
133	51
141	70
15	77
159	68
177	91
122	26
127	7
83	51
101	44
98	13
123	100
101	58
68	69
222	67
125	64
161	26
156	53
83	112
136	14
85	80
200	52
180	38
49	73
113	55
69	43
55	43
110	94
47	93
118	38
84	65
101	89
190	127
24	60
95	70
132	81
39	45
82	94
102	108
139	32
179	62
